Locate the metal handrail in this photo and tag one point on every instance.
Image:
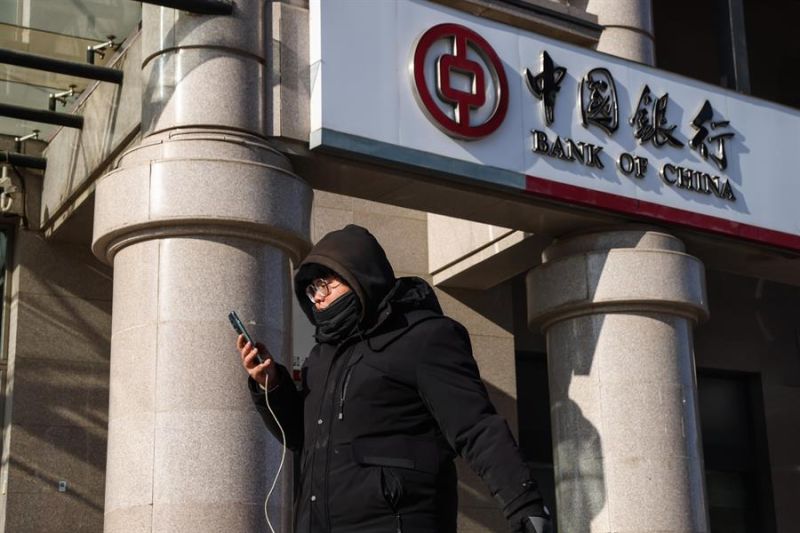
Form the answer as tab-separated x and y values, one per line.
22	160
201	7
70	68
39	115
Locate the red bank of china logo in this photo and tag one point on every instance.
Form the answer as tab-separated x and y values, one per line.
446	55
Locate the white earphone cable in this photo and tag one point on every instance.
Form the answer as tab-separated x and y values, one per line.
283	454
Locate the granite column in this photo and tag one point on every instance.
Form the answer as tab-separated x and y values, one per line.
200	217
627	28
618	308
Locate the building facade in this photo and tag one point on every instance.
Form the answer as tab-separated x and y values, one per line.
600	191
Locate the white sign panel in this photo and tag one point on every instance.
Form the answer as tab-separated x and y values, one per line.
424	85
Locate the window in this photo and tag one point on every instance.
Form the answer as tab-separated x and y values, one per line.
687	39
745	45
535	436
773	49
734	447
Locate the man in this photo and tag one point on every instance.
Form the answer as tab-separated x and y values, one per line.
390	394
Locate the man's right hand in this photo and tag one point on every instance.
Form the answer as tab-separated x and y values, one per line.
259	372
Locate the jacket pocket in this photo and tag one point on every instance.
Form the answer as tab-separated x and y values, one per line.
398	451
408	467
356	501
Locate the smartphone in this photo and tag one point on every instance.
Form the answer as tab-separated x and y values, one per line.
238	326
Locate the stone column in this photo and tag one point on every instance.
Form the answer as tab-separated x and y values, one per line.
628	28
199	218
618	309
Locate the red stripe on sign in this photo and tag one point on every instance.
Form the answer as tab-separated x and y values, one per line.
553	190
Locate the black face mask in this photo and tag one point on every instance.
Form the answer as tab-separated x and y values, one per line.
339	320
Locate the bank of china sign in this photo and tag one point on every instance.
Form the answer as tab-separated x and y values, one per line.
420	84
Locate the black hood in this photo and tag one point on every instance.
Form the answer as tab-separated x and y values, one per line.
408	295
355	255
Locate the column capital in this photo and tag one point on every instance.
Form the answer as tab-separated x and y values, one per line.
626	270
202	183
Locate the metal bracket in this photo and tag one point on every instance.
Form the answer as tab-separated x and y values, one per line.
60	97
100	49
18	141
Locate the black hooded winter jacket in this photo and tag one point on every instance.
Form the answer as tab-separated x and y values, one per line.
381	415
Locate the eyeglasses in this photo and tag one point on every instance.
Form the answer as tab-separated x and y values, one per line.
322	286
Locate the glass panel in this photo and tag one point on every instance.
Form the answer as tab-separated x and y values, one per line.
61	30
29	96
45	43
89	19
30	88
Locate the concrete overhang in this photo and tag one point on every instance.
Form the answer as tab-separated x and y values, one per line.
538	222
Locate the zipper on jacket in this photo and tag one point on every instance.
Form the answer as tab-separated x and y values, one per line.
344	392
346	354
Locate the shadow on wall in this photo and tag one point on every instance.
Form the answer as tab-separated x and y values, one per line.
579	476
576	475
59	434
577	448
580	479
59	340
